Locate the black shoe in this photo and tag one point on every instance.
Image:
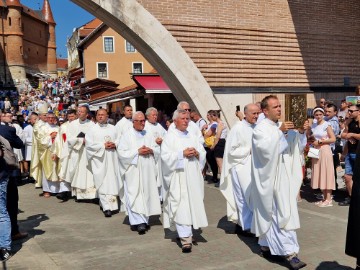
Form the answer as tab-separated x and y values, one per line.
133	228
296	264
240	231
267	255
186	248
141	228
63	196
346	202
107	213
4	254
217	184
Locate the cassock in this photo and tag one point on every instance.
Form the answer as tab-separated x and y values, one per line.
183	183
80	175
61	150
138	174
277	177
39	145
193	129
235	182
157	131
50	182
123	126
104	164
28	133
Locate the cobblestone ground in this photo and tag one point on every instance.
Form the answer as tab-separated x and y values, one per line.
74	235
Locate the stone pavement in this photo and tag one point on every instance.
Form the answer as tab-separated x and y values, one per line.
74	235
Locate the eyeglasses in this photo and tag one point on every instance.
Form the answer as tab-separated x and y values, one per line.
351	111
141	121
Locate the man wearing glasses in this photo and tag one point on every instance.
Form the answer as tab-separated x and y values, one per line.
352	135
138	154
192	128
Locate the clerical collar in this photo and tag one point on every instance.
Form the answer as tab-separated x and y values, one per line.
103	125
182	133
151	123
82	122
271	122
140	133
53	125
129	119
247	123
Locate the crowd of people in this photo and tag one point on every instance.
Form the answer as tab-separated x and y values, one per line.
140	167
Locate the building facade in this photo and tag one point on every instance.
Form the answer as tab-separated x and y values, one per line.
27	43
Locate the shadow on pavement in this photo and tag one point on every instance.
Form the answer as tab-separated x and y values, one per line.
332	265
28	225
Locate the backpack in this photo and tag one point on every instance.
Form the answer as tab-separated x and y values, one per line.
8	154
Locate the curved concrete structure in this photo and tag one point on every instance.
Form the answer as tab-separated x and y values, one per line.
158	46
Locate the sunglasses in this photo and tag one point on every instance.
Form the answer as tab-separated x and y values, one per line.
189	110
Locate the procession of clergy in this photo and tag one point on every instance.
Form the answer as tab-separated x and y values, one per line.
144	165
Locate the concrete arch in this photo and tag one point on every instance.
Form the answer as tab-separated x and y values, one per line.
158	46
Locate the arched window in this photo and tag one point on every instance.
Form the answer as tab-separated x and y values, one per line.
9	21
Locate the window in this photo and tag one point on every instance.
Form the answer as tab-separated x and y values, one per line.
102	70
129	48
137	68
9	21
108	44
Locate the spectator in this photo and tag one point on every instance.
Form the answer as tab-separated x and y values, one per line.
323	168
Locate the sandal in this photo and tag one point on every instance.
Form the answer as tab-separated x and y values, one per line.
46	195
326	203
186	248
319	202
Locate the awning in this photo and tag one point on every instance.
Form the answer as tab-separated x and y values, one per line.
153	84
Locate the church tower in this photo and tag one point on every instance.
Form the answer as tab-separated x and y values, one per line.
51	51
14	44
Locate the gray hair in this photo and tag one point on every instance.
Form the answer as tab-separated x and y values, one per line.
181	103
136	114
149	110
177	113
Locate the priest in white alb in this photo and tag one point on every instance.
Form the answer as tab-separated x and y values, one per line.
80	175
125	123
183	158
158	132
101	153
61	150
138	153
277	177
38	148
235	182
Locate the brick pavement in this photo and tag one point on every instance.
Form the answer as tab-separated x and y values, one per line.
77	236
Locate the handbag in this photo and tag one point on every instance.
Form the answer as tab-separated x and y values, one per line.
314	153
8	154
209	141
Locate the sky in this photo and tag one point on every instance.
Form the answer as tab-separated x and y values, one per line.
67	16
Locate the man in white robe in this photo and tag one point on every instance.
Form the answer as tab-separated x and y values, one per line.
138	153
62	153
28	133
183	158
80	175
277	176
235	182
125	123
36	168
158	133
101	152
192	127
50	183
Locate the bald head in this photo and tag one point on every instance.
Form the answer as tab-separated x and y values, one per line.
251	112
102	116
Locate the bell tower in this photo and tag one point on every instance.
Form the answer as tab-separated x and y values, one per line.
51	48
13	47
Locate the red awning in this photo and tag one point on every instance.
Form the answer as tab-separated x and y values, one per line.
152	84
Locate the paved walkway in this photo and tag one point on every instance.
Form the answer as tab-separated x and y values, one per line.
77	236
